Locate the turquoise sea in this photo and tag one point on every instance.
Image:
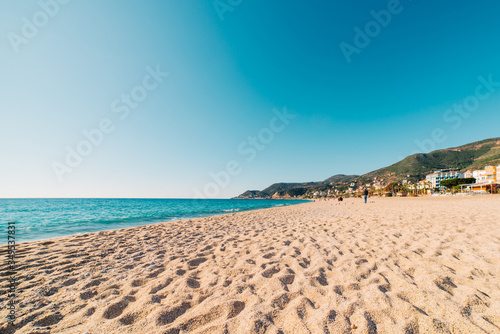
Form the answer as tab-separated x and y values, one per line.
37	219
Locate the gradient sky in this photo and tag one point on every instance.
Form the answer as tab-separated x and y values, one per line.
225	77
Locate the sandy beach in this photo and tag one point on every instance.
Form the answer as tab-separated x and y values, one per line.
395	265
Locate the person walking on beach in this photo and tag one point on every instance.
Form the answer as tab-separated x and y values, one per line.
365	195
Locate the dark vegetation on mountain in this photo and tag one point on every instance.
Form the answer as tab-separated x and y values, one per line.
340	178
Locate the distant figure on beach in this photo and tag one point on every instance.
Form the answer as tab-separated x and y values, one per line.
365	195
340	199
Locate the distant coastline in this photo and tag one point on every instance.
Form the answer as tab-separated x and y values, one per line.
407	176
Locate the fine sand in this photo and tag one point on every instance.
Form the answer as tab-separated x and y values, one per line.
395	265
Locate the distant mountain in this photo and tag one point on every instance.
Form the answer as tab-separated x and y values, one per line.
277	187
413	168
253	194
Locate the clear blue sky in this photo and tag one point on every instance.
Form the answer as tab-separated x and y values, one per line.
68	67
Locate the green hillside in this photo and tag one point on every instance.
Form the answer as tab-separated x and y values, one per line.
340	178
412	168
470	156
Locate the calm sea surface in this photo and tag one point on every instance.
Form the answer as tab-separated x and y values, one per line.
48	218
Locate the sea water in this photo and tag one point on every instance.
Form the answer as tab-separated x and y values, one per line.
37	219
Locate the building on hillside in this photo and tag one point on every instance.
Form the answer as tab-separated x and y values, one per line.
443	174
487	180
468	174
479	175
491	174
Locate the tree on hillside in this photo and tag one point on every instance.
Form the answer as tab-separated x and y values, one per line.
401	188
296	192
450	183
391	187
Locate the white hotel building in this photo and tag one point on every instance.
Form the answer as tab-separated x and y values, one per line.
443	174
479	175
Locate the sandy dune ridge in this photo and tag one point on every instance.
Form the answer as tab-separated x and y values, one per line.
396	265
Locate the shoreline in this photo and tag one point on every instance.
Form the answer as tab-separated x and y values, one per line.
3	242
187	219
395	265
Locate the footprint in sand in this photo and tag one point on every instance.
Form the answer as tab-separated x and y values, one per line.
227	311
50	292
196	262
49	320
129	319
268	273
167	317
155	273
331	316
160	286
116	309
138	282
269	255
87	295
89	312
287	279
445	284
321	279
70	282
282	301
440	326
93	283
193	283
305	263
411	328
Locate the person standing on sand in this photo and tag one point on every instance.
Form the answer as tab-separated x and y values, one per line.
365	195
